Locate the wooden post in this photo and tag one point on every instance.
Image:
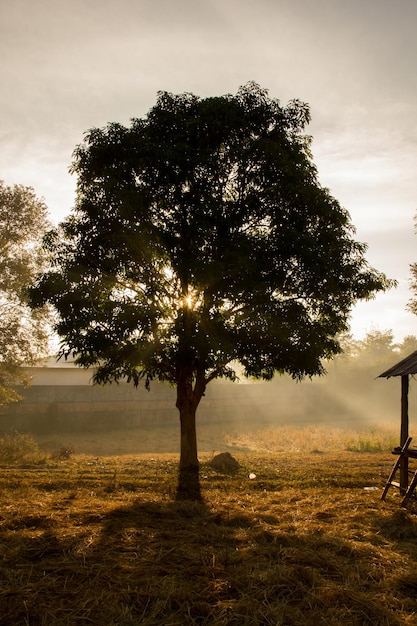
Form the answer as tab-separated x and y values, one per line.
404	432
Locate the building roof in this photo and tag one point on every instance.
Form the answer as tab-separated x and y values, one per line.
403	368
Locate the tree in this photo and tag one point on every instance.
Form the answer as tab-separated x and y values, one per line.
23	330
412	305
408	346
201	239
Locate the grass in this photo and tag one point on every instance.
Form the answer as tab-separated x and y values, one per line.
219	436
313	437
100	540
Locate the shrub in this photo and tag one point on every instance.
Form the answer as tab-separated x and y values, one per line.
15	446
63	454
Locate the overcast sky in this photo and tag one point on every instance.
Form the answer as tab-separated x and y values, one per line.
70	65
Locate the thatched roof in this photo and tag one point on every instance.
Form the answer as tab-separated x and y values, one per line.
403	368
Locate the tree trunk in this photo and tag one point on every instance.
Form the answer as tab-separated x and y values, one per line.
188	399
188	456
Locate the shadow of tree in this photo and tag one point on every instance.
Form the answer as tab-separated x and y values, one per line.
175	563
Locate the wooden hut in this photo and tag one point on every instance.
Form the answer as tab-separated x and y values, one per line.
405	368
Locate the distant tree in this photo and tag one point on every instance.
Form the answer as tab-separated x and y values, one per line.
350	345
23	331
201	240
378	348
363	359
412	305
408	345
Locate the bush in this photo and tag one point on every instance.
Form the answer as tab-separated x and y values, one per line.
15	446
63	454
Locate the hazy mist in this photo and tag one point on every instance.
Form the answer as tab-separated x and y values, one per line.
350	396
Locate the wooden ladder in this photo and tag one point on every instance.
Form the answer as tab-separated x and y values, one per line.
390	482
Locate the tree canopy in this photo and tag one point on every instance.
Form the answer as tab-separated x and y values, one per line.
23	331
202	242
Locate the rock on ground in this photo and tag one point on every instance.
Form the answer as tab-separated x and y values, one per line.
224	462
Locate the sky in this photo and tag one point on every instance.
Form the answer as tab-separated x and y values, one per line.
71	65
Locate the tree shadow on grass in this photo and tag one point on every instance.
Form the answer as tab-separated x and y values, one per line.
189	563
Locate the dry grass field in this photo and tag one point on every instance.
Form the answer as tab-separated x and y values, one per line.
98	538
